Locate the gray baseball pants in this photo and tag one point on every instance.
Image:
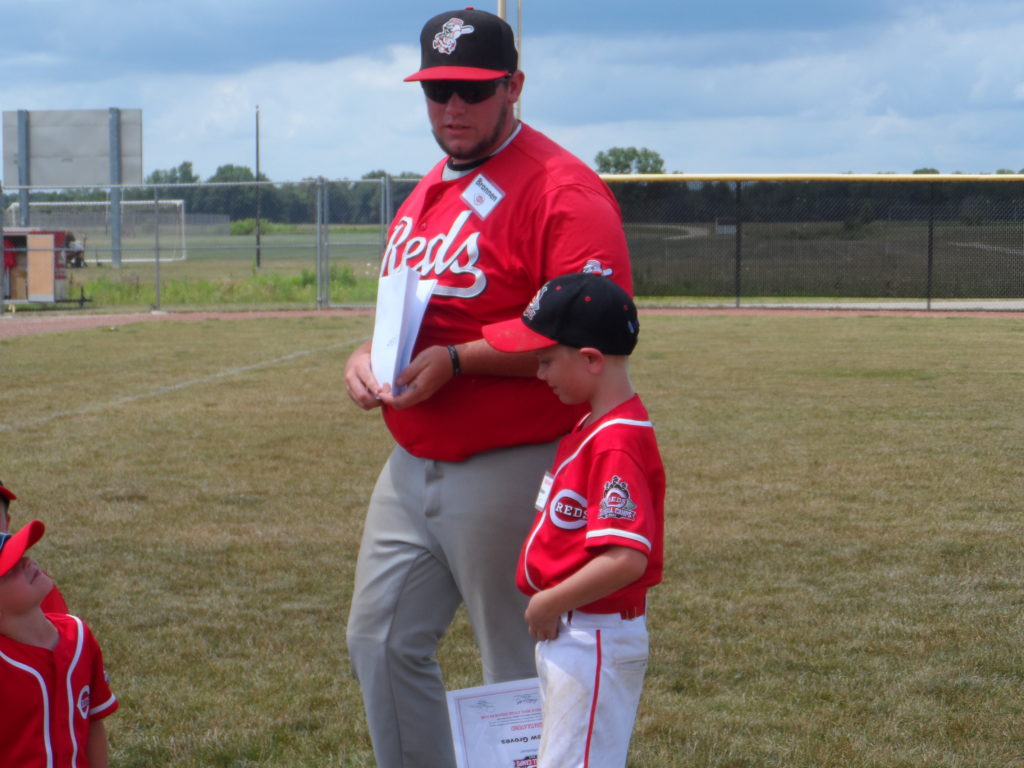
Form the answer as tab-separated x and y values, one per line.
437	534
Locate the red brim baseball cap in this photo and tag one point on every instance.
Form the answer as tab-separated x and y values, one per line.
14	545
6	493
466	45
514	336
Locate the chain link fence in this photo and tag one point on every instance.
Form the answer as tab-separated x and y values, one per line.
723	239
869	238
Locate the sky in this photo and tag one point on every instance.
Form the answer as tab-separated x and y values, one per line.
823	86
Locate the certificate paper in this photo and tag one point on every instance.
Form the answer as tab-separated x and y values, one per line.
401	301
496	726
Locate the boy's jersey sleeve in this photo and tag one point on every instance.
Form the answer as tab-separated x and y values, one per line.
621	510
102	700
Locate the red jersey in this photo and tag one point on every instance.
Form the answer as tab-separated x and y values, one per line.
606	488
491	239
50	698
54	602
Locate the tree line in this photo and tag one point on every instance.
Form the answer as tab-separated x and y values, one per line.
360	201
350	202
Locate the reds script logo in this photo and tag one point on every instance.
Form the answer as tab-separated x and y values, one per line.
453	29
568	510
616	503
437	255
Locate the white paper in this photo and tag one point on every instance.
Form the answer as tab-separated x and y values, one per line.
496	725
402	299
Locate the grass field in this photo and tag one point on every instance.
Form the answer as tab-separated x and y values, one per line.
221	271
844	536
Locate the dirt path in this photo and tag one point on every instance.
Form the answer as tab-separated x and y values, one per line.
30	323
23	324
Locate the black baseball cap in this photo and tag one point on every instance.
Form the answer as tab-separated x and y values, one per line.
578	310
466	45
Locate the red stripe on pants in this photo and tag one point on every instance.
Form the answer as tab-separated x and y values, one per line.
593	704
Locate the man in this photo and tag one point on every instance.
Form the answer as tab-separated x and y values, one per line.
504	212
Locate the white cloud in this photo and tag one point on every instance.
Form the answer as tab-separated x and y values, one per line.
937	85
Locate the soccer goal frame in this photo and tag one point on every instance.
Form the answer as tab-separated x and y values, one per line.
147	227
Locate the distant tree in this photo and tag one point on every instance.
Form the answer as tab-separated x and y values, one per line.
183	174
380	174
231	172
927	170
629	160
236	202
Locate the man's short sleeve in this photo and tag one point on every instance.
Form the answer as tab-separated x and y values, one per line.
582	232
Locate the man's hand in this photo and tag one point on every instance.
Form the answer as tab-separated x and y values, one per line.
430	370
542	616
360	383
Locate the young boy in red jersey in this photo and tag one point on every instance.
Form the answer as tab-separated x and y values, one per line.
52	683
596	544
53	602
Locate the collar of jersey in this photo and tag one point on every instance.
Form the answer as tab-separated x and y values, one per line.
453	171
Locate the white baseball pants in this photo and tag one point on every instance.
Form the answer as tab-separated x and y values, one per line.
437	534
591	677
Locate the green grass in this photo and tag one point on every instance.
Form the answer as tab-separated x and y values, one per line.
844	536
221	272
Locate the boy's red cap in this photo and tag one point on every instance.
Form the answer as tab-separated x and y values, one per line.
14	545
6	492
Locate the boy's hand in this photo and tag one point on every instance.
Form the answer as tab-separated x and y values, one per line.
611	570
542	616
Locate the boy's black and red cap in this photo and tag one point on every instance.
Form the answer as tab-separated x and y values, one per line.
14	545
6	493
578	310
466	45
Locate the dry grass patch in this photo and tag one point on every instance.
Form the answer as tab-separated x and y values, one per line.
843	560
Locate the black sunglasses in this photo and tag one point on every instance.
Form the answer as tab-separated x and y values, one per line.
470	91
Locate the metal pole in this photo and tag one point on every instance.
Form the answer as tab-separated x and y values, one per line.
385	210
738	285
156	241
114	123
501	8
931	241
23	173
258	188
519	47
4	276
320	255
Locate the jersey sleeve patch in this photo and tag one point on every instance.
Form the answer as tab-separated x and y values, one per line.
616	503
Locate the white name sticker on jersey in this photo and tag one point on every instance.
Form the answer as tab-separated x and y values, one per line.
482	195
545	489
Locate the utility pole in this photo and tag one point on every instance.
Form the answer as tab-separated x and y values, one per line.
503	13
258	188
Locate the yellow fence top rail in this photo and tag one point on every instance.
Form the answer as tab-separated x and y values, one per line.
914	177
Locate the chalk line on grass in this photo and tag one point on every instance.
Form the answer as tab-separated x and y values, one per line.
94	407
